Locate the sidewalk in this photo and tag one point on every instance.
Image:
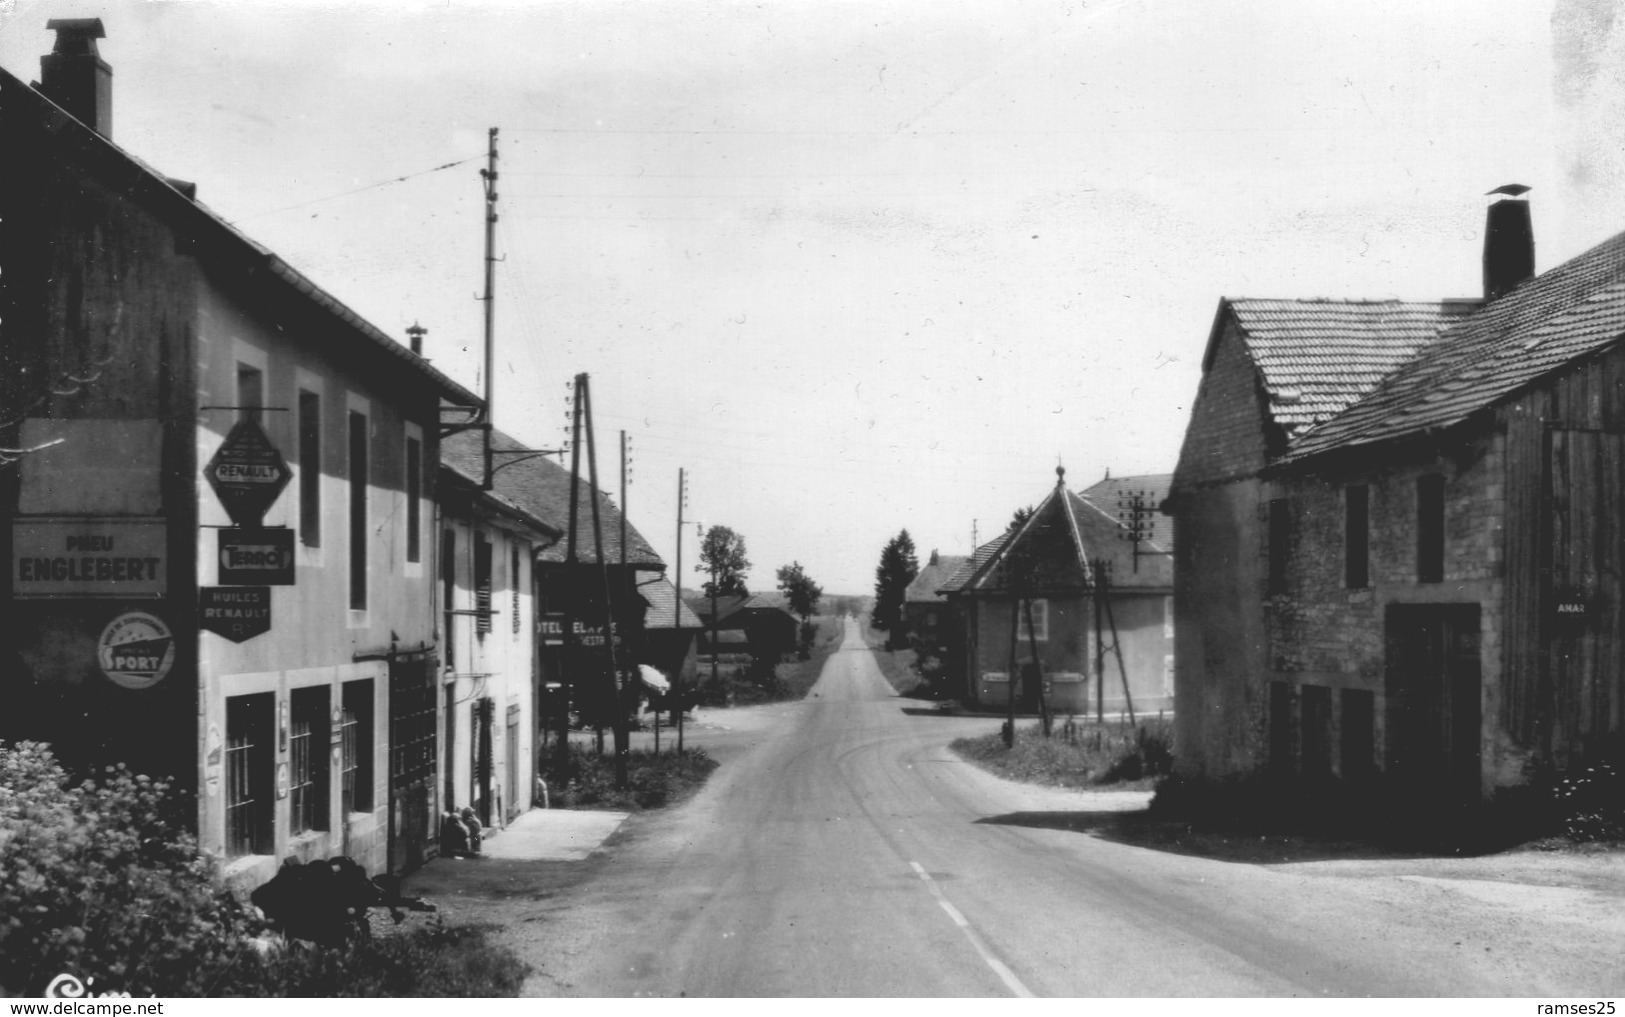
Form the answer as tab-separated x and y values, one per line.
553	835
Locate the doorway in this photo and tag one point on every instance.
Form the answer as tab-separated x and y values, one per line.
1434	691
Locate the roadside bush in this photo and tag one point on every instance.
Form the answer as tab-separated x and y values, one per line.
1591	804
1077	755
97	881
653	781
100	882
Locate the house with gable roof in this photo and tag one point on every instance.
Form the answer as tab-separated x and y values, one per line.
218	547
1421	579
1053	561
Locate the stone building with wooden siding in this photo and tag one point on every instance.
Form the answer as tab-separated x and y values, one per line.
272	648
1425	582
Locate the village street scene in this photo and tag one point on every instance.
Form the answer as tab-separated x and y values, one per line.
719	500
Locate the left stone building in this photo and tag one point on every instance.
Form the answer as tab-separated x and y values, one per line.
218	498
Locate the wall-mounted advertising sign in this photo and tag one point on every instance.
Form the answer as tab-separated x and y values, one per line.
256	557
247	473
239	613
89	557
136	650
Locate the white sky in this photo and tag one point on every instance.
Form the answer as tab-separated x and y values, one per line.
863	266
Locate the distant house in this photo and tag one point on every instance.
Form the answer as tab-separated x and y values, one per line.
1398	529
746	623
670	630
1076	565
935	627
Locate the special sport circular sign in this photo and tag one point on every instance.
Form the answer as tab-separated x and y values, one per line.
136	650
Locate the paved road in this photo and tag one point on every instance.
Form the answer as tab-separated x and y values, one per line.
843	850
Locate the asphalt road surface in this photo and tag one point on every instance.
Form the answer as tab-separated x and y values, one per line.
843	850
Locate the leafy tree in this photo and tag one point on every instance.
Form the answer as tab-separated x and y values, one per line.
898	567
1021	516
722	556
799	589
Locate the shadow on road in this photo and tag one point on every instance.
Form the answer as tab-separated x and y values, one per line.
1141	829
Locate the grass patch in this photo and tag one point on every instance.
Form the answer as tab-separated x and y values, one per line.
897	666
653	781
1077	755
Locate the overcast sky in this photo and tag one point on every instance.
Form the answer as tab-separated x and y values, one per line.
866	266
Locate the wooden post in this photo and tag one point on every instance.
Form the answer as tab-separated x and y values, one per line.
622	746
1010	686
677	606
1038	671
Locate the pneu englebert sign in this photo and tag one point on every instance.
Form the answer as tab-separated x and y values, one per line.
89	557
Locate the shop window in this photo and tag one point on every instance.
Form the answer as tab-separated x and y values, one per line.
355	739
448	593
249	755
307	760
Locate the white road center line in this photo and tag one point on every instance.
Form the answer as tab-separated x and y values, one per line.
1005	974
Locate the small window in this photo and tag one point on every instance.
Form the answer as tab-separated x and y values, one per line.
448	593
250	392
1315	705
482	584
1358	735
310	469
1281	740
513	581
248	775
1039	628
358	511
307	760
414	500
1280	537
1357	537
355	739
1430	529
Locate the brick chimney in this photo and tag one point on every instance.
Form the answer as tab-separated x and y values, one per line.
74	76
1509	241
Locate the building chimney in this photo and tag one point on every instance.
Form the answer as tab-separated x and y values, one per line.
1509	242
74	76
415	336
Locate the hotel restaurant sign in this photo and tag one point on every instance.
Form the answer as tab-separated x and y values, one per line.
88	557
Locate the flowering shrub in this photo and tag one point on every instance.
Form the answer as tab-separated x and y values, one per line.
1592	804
99	882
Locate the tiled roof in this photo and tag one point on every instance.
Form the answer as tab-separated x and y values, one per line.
1114	495
662	598
926	586
1542	325
1319	356
1068	534
968	568
541	487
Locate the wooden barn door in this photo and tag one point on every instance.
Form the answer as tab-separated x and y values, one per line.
1434	689
1578	704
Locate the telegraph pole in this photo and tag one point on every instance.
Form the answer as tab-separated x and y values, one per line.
677	605
489	175
623	747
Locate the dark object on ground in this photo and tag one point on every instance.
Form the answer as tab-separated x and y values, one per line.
327	902
460	834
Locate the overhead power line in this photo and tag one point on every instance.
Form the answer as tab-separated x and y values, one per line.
358	190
